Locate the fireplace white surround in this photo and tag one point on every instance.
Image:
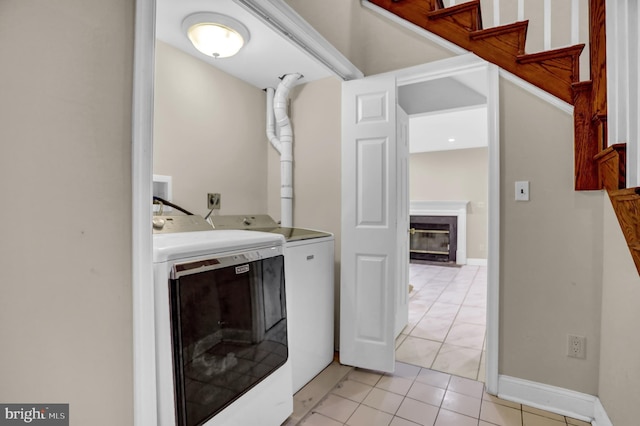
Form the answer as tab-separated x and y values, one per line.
446	208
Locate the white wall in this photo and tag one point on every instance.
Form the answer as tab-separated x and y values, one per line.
65	180
209	135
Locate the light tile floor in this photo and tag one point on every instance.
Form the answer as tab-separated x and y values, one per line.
446	332
412	396
447	320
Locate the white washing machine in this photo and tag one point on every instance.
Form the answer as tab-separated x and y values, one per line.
221	329
310	297
309	268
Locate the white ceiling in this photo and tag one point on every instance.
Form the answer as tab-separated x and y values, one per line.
434	131
260	63
451	107
439	95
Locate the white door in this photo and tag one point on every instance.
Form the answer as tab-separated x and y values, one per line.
369	258
402	283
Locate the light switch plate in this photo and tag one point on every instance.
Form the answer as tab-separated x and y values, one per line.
522	190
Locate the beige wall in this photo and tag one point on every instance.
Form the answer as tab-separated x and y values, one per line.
65	307
65	130
372	43
460	174
619	353
209	135
315	114
551	249
551	252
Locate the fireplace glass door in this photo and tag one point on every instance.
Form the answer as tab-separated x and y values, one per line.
430	241
433	238
229	331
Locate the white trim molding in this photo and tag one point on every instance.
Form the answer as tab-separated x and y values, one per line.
446	208
623	88
493	262
144	368
286	22
476	262
557	400
600	417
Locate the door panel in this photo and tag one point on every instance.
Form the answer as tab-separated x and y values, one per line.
371	182
369	224
370	295
402	284
369	114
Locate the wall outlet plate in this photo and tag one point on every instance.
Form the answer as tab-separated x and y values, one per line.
576	346
213	201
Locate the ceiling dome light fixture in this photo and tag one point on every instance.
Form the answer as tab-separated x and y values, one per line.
215	35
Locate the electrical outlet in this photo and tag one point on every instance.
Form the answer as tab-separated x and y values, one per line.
213	201
576	346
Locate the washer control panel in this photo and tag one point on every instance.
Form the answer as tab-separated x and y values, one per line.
170	224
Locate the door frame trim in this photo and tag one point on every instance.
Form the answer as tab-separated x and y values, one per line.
144	367
446	68
493	240
142	160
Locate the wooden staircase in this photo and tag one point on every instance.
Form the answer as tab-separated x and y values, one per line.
596	165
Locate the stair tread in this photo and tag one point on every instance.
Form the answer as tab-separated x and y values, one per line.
582	85
570	51
502	29
465	10
615	148
452	10
625	194
501	44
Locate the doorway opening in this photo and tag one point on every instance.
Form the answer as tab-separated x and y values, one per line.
374	297
449	162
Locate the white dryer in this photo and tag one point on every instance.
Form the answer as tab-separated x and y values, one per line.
221	329
309	270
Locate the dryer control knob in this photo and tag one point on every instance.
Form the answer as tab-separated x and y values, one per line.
158	223
246	221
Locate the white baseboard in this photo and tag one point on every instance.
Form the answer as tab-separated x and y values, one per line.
557	400
477	262
600	417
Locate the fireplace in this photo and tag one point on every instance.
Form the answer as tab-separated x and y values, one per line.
446	220
433	238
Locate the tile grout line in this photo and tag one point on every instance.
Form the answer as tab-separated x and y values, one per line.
414	380
459	308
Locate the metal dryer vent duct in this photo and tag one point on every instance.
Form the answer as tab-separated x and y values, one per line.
277	115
